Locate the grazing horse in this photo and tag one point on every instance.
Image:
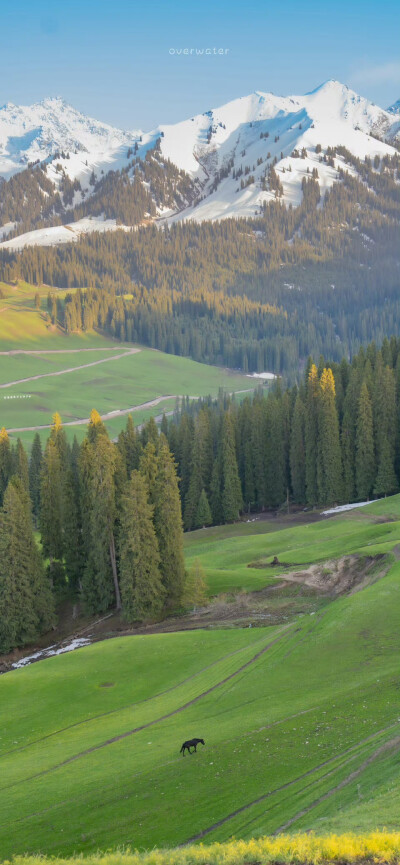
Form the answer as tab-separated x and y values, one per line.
191	743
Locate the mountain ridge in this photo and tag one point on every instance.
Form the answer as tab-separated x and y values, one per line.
235	158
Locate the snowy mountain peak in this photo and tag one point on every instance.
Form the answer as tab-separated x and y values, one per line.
39	131
231	153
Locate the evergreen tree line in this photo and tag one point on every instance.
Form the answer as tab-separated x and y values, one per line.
109	514
333	439
250	294
109	518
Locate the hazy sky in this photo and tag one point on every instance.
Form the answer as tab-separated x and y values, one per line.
114	60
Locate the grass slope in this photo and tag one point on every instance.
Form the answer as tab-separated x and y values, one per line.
110	386
301	720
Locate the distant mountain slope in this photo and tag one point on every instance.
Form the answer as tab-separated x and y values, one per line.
227	162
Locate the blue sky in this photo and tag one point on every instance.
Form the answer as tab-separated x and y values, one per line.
114	60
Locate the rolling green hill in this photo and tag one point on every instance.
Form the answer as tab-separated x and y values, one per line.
300	719
73	374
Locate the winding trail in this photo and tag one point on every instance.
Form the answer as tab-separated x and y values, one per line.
69	369
108	416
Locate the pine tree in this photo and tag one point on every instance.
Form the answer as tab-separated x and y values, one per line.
231	493
365	457
168	525
298	451
329	469
73	541
142	590
51	511
148	468
5	462
195	592
20	466
311	435
98	460
275	474
201	466
129	446
348	433
386	481
203	516
26	604
35	471
246	454
258	450
385	423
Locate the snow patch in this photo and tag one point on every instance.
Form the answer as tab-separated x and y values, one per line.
266	376
63	233
78	643
343	508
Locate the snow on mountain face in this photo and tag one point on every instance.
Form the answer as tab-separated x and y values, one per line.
37	132
228	150
249	133
395	108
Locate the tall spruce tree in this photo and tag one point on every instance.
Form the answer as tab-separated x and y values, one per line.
130	446
203	516
98	461
26	603
311	435
35	472
5	462
329	469
20	467
231	493
275	468
51	511
298	451
142	590
201	466
365	469
73	541
168	525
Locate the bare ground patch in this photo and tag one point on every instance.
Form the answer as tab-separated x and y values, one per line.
341	576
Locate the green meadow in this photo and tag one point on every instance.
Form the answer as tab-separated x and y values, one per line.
122	379
301	719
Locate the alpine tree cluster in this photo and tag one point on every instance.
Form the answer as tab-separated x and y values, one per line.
110	525
334	439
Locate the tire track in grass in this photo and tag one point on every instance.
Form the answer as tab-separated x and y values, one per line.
128	705
148	724
392	744
386	746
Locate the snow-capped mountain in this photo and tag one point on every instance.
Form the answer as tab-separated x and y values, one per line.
226	152
38	132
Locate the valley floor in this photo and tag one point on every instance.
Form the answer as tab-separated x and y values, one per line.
299	716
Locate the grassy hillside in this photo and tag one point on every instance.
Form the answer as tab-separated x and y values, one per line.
300	719
111	379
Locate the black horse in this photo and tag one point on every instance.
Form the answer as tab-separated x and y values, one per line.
191	743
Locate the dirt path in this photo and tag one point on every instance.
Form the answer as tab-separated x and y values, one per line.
14	351
145	726
108	416
386	746
70	369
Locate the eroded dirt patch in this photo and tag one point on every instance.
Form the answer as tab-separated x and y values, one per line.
341	576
